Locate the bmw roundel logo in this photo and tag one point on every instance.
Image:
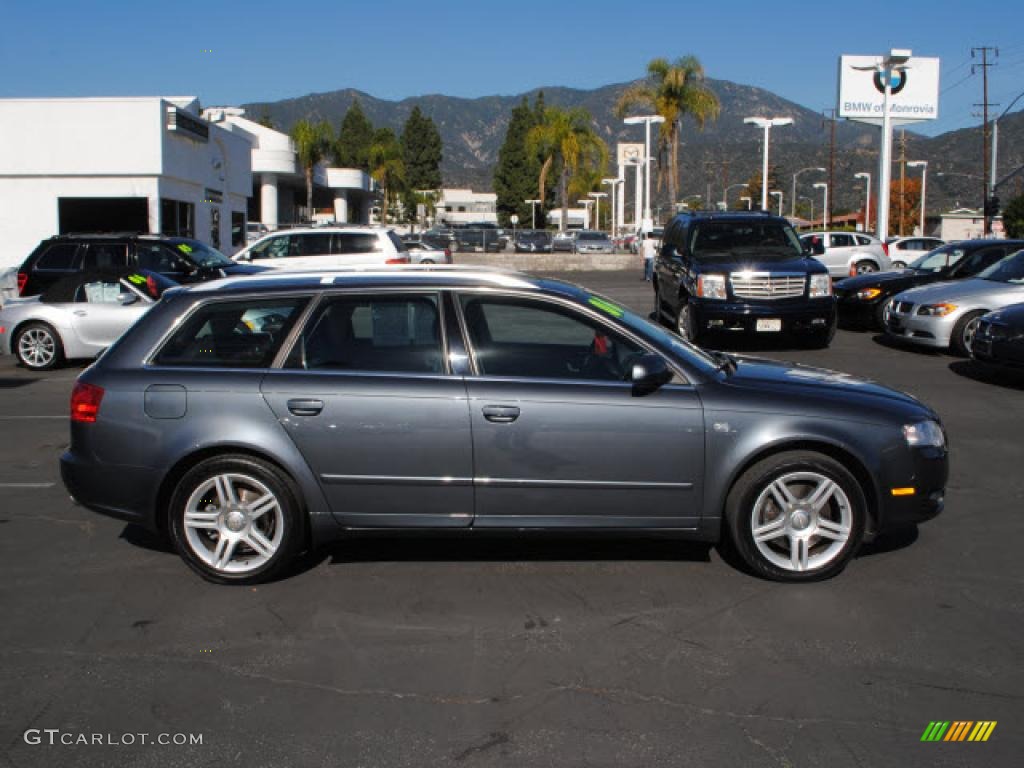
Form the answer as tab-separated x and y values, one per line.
897	79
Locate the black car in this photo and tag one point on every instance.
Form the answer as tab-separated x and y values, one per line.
998	342
533	241
862	300
181	259
487	240
741	272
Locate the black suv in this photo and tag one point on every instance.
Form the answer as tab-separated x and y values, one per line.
741	272
179	258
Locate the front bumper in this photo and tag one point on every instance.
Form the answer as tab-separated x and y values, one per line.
926	472
857	312
795	316
919	329
997	345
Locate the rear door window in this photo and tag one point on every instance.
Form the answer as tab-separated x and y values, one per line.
863	240
232	334
105	256
313	244
840	241
60	257
355	242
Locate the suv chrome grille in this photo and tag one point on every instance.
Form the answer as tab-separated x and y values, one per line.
762	285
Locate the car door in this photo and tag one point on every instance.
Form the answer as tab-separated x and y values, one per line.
837	256
369	399
103	311
560	439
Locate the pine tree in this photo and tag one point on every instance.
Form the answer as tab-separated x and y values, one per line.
352	149
421	152
515	175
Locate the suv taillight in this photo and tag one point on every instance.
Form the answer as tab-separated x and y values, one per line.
885	247
85	402
22	282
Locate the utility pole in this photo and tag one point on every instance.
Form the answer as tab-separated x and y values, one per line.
830	115
708	175
985	64
725	176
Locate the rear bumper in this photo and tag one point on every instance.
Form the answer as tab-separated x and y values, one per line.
127	493
804	316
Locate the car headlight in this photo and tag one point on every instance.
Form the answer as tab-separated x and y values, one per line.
821	285
936	310
924	434
868	294
711	286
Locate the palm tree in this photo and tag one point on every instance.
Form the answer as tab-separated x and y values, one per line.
566	141
674	90
387	167
312	142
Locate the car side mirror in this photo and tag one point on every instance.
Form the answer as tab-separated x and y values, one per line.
125	299
243	257
649	373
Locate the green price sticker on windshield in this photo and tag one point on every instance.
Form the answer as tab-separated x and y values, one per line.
184	247
137	279
606	306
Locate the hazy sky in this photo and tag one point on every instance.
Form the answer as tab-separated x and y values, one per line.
233	52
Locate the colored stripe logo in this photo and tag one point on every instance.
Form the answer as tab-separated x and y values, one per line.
958	730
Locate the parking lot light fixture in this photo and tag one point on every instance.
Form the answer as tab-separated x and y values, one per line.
824	205
597	207
647	120
867	201
767	123
725	194
795	175
612	184
748	201
777	193
533	212
923	165
811	201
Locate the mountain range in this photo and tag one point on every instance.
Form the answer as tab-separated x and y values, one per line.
726	152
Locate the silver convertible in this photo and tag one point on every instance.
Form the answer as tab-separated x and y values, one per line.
946	314
77	317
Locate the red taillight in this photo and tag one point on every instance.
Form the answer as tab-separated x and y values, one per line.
22	282
399	260
85	402
885	247
151	287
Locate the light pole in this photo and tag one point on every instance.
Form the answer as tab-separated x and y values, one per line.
646	120
895	61
824	206
533	212
612	183
725	194
867	202
777	193
597	207
811	201
587	203
923	165
748	201
766	123
793	198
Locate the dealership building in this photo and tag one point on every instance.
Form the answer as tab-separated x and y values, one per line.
154	164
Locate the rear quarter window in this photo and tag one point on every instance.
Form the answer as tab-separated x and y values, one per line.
232	334
58	258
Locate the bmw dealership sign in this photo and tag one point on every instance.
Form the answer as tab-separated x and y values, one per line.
913	94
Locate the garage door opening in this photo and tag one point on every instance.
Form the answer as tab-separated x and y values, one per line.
103	214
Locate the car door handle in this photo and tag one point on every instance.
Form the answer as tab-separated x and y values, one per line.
80	313
501	414
304	407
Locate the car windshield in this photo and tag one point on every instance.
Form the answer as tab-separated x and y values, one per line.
1009	269
591	236
767	240
201	254
939	259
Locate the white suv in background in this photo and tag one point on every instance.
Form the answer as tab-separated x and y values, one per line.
848	253
326	248
904	250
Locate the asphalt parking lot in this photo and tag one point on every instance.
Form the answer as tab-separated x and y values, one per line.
535	652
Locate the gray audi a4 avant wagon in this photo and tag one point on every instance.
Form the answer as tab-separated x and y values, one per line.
253	419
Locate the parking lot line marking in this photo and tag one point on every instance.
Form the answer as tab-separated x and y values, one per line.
27	485
22	418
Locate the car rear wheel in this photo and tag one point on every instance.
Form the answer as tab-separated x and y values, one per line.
865	267
236	520
37	346
796	516
898	265
963	333
426	261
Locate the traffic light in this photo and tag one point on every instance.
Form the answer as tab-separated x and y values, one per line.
992	206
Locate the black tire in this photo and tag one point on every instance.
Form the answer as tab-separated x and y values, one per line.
963	333
683	323
47	338
898	265
427	261
292	520
756	481
879	315
818	339
865	267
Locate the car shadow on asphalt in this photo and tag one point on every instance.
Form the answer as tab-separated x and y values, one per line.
144	538
883	340
1005	379
890	541
12	383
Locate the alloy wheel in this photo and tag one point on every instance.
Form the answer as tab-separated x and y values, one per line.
970	331
865	267
37	348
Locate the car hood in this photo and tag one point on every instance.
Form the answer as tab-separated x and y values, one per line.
890	282
745	262
960	291
243	269
803	381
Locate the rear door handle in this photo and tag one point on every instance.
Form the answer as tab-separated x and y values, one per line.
304	407
80	313
501	414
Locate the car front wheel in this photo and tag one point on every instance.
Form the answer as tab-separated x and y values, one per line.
686	323
236	520
796	516
963	333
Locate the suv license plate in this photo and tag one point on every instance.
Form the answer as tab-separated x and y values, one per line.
770	324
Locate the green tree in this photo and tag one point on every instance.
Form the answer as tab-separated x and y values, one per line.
388	168
352	150
421	152
753	190
517	171
1013	218
266	120
312	144
673	90
567	142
